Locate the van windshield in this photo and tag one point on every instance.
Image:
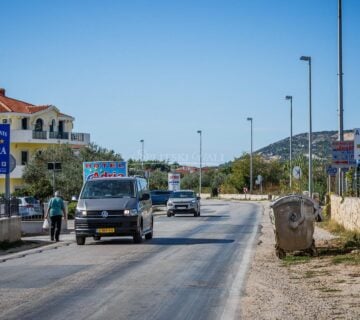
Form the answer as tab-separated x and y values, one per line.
95	189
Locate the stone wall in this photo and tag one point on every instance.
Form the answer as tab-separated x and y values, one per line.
10	229
254	197
346	211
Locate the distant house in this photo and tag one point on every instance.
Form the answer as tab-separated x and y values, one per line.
33	128
186	169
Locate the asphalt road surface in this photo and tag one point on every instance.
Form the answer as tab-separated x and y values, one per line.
193	268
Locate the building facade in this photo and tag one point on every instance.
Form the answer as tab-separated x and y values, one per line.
33	128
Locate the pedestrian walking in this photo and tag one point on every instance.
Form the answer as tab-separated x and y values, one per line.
56	210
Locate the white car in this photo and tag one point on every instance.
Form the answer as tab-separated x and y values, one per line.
29	206
183	201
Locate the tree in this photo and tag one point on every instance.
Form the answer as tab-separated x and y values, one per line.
158	180
39	180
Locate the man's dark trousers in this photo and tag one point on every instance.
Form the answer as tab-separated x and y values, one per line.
55	227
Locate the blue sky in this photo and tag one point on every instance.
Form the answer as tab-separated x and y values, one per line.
161	70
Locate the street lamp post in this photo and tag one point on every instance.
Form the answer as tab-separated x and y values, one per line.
251	152
308	59
200	132
142	153
290	98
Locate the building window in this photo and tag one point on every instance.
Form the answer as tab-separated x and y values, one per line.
52	125
24	123
24	157
61	126
4	120
39	125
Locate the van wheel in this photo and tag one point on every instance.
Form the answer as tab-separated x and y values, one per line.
80	240
169	214
149	235
137	237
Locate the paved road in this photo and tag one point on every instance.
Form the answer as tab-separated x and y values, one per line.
194	268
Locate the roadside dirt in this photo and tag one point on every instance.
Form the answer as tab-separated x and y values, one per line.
301	287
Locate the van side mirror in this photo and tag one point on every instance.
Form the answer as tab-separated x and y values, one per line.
74	198
145	196
198	197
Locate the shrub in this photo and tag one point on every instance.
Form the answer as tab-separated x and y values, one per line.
71	209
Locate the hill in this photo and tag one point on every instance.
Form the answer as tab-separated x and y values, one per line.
321	146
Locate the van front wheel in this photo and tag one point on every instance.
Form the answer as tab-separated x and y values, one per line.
80	240
137	237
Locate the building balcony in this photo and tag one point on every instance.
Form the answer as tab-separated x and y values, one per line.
47	137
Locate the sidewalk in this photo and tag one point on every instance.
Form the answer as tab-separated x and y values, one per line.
299	287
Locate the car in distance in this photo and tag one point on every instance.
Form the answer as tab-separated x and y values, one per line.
183	201
118	206
29	207
160	197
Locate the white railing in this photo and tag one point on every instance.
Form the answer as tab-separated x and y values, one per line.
29	136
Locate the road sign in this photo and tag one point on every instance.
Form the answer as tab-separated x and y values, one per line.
4	148
296	172
343	154
174	181
357	145
331	171
104	169
12	163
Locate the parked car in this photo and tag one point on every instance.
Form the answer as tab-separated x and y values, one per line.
29	206
110	207
160	197
183	201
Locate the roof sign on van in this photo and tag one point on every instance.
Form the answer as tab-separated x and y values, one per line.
104	169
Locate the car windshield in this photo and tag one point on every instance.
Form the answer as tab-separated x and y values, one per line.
30	200
183	194
95	189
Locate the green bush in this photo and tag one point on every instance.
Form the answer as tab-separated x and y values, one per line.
71	209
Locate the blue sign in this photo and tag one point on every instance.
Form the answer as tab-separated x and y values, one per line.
4	148
343	154
104	169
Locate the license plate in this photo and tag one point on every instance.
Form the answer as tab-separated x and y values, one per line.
181	207
105	230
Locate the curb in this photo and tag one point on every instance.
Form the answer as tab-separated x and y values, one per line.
24	253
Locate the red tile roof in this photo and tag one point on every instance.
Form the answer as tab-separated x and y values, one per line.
13	105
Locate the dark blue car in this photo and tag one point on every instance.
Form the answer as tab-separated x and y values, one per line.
160	197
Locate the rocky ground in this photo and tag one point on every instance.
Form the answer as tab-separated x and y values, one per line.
301	287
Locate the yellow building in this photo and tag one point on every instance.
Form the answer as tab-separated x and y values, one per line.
33	128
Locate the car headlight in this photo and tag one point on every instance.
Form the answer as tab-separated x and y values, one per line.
80	213
130	212
169	203
193	201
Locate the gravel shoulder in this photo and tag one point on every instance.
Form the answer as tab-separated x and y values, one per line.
314	289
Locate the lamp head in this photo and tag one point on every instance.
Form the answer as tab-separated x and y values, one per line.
249	119
199	131
305	58
142	140
288	97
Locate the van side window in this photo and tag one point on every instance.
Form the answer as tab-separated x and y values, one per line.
138	186
143	184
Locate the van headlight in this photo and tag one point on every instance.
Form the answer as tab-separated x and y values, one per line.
170	203
80	213
130	212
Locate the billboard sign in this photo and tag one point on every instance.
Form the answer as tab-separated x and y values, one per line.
174	181
357	145
103	169
4	148
343	154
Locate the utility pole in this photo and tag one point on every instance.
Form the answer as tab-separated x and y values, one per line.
340	92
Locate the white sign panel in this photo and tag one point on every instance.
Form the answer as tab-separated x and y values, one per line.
174	181
357	145
296	172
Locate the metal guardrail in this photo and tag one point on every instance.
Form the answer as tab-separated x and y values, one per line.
9	207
